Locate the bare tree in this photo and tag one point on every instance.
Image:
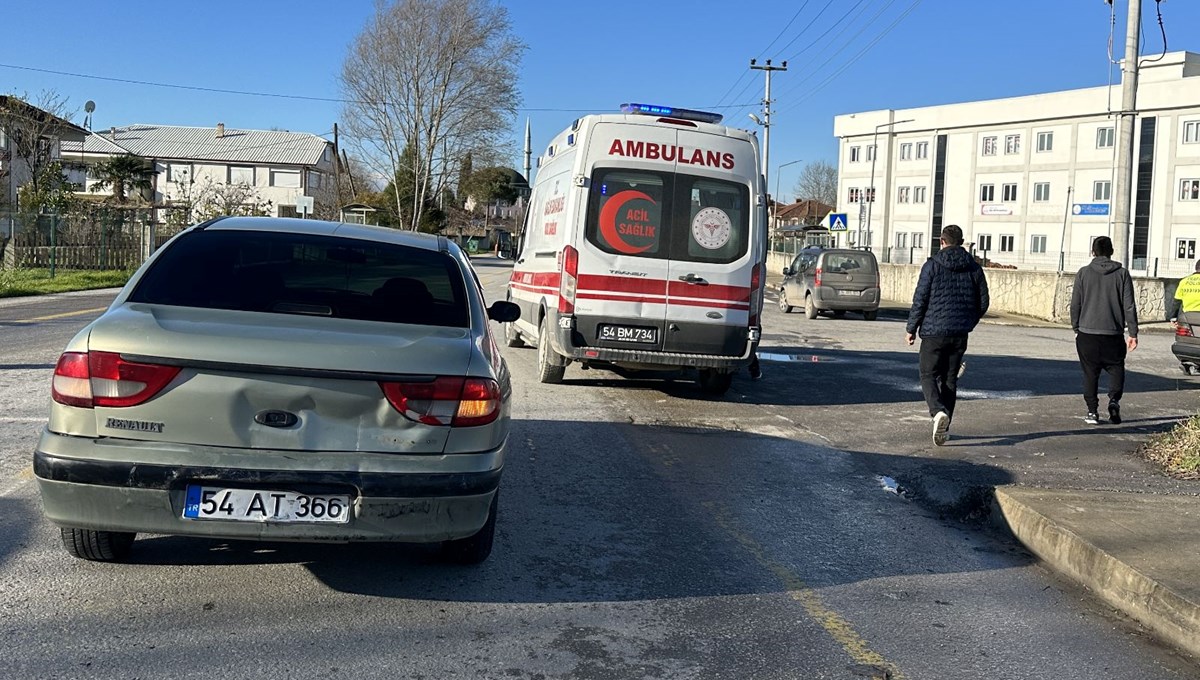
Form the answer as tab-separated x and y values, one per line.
818	181
436	76
32	128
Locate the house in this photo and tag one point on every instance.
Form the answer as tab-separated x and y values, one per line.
263	170
800	213
30	138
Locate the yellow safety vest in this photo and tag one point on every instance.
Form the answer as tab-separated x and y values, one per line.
1188	293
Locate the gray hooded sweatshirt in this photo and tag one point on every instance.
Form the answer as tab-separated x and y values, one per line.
1102	302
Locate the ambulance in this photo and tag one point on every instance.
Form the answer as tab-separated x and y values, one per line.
644	247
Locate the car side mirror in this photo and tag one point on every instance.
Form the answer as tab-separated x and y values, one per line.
504	312
787	271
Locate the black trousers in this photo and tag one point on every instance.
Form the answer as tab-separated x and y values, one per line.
1101	353
941	358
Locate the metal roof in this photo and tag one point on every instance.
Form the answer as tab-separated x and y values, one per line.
172	142
93	143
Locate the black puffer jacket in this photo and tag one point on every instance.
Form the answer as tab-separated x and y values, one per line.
951	295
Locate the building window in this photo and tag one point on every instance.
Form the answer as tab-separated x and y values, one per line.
922	150
984	242
918	194
3	139
987	193
314	180
287	179
1037	244
1185	248
854	154
1041	192
328	155
853	195
1012	144
871	152
989	146
902	194
868	194
1010	193
241	174
1191	132
1007	242
1189	190
1104	137
77	175
906	152
901	240
179	172
1045	141
1102	190
918	239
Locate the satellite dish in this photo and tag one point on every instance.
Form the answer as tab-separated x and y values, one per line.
89	106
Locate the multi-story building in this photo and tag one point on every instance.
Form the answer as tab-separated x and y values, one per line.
1029	179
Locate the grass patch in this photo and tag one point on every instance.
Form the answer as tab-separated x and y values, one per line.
1177	451
19	282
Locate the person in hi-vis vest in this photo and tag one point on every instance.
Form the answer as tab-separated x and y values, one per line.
1187	295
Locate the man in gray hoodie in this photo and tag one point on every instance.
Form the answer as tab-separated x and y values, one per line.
1102	307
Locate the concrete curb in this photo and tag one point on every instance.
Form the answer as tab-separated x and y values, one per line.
1168	614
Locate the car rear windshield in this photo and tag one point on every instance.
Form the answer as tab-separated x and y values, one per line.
668	215
283	273
849	263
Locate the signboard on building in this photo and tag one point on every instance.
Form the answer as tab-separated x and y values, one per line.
837	222
995	209
304	205
1090	209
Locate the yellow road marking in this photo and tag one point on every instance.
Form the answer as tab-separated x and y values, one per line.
833	623
63	315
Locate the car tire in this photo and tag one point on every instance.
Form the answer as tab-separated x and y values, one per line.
810	307
512	337
714	382
98	546
871	315
476	548
783	303
550	368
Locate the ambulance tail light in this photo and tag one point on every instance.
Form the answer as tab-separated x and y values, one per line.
817	278
755	293
568	280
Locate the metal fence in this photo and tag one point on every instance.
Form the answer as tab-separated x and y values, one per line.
98	238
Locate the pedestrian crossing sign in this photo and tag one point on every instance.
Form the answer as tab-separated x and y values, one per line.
837	221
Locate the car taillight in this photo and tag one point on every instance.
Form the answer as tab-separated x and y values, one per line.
817	278
567	282
89	379
454	401
755	293
1183	330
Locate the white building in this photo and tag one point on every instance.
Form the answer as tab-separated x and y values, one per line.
1028	178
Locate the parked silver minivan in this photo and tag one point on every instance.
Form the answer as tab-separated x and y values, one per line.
831	280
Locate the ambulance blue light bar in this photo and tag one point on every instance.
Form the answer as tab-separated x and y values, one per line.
672	112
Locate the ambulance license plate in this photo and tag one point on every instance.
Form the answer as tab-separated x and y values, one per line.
258	505
639	334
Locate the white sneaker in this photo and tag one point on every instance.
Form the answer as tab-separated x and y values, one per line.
941	428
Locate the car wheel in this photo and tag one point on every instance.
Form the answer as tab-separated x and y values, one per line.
715	383
476	548
98	546
783	303
810	307
512	337
871	315
550	369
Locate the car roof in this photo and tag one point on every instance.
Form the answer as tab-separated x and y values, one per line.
295	225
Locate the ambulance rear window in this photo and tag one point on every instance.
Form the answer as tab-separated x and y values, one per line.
626	212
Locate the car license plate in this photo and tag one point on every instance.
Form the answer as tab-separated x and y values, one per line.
639	334
257	505
848	292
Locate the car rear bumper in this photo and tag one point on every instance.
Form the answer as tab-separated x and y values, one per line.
1186	351
568	341
114	492
829	299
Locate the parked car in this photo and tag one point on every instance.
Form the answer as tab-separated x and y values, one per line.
265	379
1186	347
831	280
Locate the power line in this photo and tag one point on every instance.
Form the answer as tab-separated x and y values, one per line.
785	28
810	25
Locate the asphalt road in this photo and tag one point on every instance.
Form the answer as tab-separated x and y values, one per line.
645	531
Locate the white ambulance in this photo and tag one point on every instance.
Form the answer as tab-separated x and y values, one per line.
644	247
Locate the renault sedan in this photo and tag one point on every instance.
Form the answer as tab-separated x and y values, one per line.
282	379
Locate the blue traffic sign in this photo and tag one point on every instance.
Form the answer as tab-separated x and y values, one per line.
837	222
1090	209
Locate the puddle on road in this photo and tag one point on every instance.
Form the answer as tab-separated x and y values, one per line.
805	358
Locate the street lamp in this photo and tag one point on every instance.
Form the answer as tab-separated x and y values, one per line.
778	170
871	191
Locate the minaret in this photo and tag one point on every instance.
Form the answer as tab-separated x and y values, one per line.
528	153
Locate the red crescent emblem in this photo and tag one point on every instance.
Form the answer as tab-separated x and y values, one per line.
608	221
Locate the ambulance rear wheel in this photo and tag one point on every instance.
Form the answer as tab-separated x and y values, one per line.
714	382
783	303
550	367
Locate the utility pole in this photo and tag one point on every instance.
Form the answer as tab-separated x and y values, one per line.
766	121
1123	196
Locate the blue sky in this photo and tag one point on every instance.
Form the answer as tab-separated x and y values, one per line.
586	57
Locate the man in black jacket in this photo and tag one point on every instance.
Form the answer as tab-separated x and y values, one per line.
950	299
1102	306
